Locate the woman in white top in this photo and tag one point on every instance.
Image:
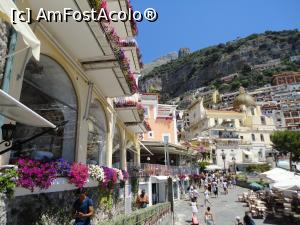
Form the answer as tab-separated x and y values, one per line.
206	197
194	207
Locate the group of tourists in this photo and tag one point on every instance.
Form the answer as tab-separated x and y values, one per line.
213	183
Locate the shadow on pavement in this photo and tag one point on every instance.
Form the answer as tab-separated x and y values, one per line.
282	221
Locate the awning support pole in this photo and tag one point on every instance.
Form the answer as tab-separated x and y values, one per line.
145	148
33	137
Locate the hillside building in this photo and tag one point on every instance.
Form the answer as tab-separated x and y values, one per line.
241	135
290	77
161	153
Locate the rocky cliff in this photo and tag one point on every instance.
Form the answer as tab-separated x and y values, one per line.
255	58
160	61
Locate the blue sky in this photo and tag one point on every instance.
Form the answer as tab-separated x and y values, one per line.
200	23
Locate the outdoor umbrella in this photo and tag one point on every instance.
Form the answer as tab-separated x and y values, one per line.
290	184
278	174
213	167
255	186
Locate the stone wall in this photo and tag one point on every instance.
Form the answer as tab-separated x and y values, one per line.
2	209
53	208
4	32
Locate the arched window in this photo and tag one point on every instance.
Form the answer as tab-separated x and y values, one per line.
48	91
97	132
117	143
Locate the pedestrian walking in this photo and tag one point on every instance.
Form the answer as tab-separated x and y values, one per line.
191	192
214	186
225	188
194	207
216	191
206	197
208	217
238	221
248	220
195	193
233	182
209	187
83	208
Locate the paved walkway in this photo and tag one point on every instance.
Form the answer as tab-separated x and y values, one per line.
224	208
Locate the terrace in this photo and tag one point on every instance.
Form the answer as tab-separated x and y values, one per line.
147	169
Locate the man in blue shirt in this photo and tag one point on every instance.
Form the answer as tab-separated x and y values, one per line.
83	209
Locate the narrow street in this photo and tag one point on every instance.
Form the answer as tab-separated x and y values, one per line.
224	208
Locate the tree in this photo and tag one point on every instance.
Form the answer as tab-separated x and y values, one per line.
287	142
235	85
246	69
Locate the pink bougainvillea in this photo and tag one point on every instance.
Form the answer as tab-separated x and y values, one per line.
182	176
34	174
79	174
132	21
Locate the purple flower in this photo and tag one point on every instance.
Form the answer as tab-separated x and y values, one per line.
63	167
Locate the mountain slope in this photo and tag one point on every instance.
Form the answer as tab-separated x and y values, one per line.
206	66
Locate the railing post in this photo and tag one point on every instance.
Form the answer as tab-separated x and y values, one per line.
170	196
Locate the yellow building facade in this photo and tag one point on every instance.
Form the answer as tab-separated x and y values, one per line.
240	136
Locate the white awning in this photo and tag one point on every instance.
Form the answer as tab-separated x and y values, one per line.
247	153
6	7
158	179
278	174
213	167
290	184
15	110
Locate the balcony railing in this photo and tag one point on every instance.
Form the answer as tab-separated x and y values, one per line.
124	102
147	169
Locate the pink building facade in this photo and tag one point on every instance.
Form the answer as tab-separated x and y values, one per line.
161	118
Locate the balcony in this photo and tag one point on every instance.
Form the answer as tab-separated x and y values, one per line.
229	136
129	109
225	134
147	169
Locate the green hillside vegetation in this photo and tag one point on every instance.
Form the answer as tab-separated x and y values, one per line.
205	67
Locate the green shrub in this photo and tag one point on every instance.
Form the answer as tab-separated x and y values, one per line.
202	165
8	179
258	168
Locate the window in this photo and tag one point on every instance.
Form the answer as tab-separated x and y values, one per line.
263	120
48	90
216	122
117	144
97	130
252	111
146	113
262	137
253	137
150	134
166	138
242	137
260	154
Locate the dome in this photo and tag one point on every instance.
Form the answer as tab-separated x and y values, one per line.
243	99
